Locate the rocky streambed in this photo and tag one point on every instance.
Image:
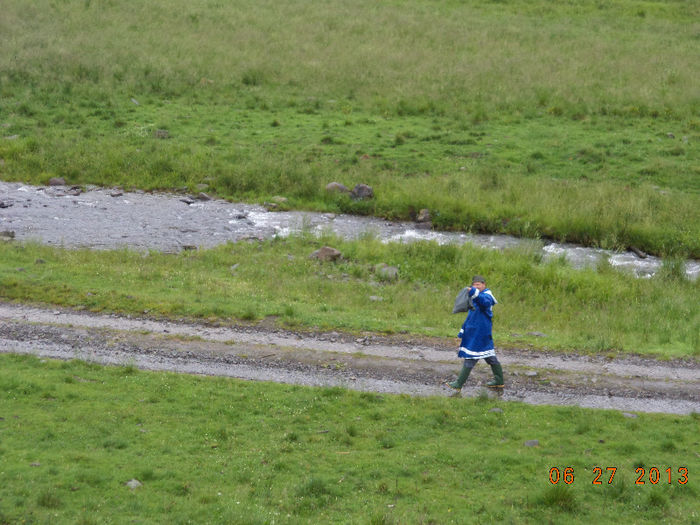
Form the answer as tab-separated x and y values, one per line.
110	218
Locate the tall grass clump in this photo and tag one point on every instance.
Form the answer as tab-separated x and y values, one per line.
559	497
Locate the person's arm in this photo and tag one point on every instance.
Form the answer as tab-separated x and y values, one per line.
483	300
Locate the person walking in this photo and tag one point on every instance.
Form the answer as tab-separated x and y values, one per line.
476	338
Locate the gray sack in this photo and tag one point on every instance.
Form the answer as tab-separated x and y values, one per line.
463	303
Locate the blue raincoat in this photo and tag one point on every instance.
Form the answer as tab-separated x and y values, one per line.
477	339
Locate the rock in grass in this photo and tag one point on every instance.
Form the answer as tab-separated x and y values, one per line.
629	415
57	181
362	192
532	443
326	254
537	334
386	272
423	220
161	134
496	410
423	215
336	187
134	484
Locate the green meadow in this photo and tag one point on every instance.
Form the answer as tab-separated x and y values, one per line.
575	121
213	450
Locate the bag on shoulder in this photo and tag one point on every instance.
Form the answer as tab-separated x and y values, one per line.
463	303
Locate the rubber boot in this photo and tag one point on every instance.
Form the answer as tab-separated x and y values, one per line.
463	375
497	377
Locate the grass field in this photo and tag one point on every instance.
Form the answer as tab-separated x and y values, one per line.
596	310
575	121
226	451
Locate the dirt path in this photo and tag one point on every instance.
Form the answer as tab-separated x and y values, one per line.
414	366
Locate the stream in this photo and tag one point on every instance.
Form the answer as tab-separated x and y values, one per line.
100	218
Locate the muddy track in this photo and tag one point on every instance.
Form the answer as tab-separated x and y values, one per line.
369	362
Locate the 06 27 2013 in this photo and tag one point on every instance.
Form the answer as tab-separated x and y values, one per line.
606	475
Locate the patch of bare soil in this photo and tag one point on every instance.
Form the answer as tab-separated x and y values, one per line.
370	362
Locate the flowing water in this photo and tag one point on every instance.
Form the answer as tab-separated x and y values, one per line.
105	219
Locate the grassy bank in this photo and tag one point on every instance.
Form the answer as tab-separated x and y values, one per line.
529	118
599	310
609	182
225	451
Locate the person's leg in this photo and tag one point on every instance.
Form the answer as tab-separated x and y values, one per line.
463	374
497	370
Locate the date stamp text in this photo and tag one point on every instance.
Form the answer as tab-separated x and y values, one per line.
606	475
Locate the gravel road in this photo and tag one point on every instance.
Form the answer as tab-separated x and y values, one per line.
367	362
